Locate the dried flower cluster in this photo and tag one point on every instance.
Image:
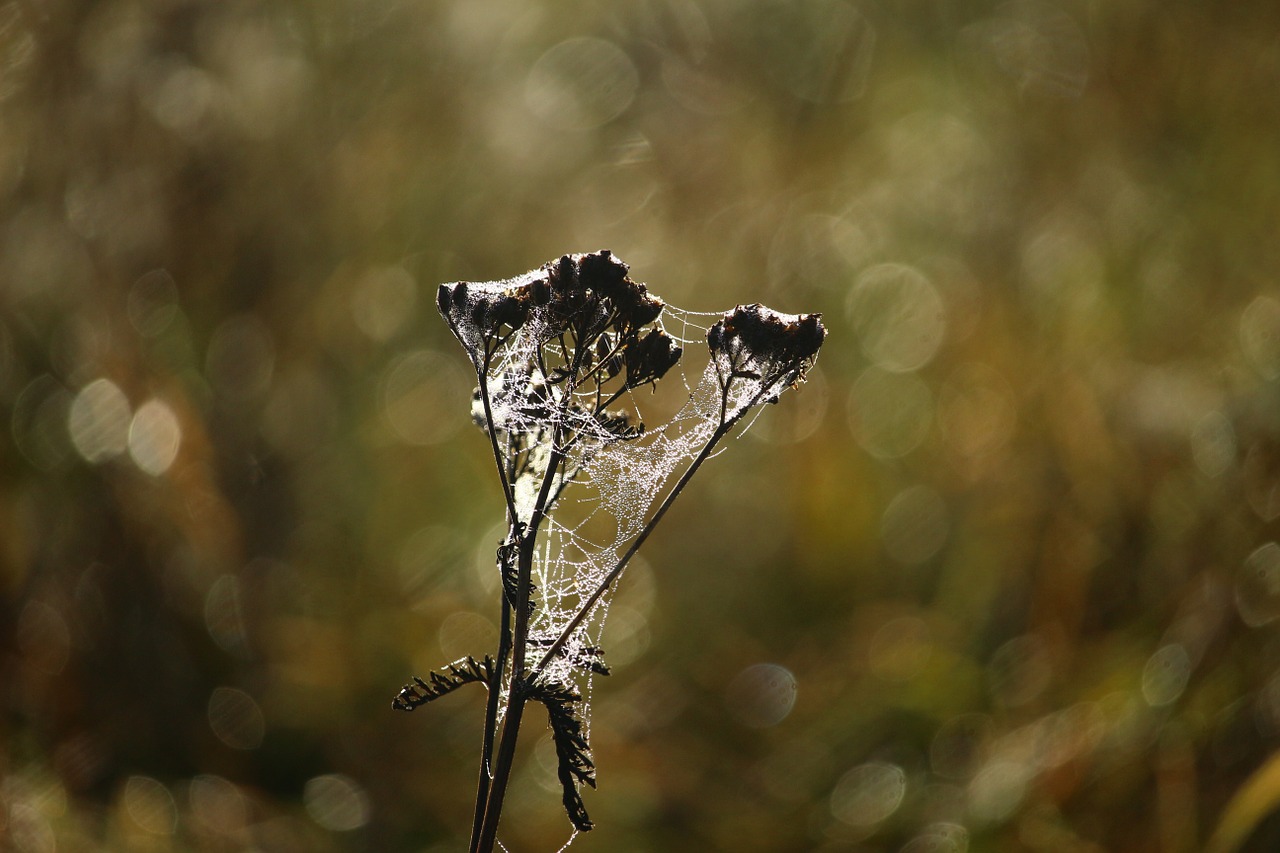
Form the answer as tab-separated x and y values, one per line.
757	343
593	325
555	350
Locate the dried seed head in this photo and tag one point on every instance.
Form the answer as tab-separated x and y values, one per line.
603	273
451	297
608	276
564	273
646	308
444	298
770	344
649	358
597	285
540	291
512	309
476	312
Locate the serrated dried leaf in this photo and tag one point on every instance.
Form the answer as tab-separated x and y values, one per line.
573	753
465	670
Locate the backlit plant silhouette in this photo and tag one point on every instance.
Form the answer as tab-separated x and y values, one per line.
563	355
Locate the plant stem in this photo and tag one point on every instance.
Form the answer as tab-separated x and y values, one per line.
508	487
504	635
484	842
484	837
491	721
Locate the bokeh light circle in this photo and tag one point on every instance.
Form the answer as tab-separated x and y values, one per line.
236	719
1019	671
976	410
463	632
821	51
151	805
762	695
154	437
28	830
43	637
217	803
1258	586
889	413
998	790
801	419
40	422
422	392
336	802
868	794
939	838
1260	335
626	634
152	303
383	302
1166	674
99	421
240	360
898	315
581	83
915	525
1213	444
224	616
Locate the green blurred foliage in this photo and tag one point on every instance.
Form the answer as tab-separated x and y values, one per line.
1013	542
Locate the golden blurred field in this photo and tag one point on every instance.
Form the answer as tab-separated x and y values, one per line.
1013	545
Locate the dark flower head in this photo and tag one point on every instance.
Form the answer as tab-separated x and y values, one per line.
578	280
602	272
584	293
766	344
649	358
450	297
484	308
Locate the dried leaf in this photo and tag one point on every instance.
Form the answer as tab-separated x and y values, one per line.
573	753
463	671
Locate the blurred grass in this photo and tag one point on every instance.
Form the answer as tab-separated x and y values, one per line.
1255	800
1013	541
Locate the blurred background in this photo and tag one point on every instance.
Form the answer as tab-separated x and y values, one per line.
1002	576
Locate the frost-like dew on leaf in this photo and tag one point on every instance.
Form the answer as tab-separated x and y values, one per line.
568	358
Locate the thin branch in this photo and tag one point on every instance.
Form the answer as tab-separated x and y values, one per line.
508	487
483	843
491	719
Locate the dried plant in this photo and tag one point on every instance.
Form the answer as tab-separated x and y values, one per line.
562	355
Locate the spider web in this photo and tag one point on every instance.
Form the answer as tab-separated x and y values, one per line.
569	359
610	487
